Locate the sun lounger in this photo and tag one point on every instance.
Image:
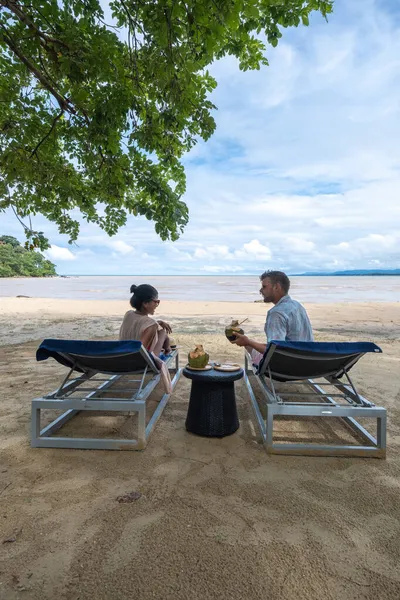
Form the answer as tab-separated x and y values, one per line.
98	372
303	364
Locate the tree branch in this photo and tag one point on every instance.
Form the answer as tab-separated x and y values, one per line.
15	9
169	25
132	23
64	103
16	214
34	151
47	74
44	19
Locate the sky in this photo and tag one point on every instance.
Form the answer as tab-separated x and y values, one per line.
302	173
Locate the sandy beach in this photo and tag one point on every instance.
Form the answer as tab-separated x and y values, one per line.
216	519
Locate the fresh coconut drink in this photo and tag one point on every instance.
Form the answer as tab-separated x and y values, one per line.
233	328
198	358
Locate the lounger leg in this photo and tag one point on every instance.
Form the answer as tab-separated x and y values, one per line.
35	426
247	368
269	429
142	426
381	433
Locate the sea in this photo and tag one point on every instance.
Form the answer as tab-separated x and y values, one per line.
209	288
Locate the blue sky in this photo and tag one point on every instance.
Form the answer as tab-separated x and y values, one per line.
303	172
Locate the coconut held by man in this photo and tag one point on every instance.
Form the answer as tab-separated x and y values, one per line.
233	328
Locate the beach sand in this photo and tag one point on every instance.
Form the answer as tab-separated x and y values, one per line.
216	519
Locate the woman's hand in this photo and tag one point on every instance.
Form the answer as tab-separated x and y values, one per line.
165	326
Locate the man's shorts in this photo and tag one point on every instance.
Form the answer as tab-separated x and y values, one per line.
256	357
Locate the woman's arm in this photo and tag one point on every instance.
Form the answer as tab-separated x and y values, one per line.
148	335
165	326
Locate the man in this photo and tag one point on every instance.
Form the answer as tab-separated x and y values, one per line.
287	320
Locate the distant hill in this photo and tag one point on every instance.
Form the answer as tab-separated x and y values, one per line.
354	272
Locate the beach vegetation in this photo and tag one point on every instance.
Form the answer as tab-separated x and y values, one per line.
17	261
100	101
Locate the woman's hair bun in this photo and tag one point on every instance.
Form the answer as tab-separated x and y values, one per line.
133	288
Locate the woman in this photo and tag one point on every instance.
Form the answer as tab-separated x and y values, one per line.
138	324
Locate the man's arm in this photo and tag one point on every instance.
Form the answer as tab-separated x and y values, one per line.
276	330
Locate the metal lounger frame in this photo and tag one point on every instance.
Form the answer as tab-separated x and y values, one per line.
60	399
352	407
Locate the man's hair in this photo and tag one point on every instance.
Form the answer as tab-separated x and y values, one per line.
277	277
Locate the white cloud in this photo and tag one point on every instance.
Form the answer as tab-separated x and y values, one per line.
87	252
381	241
254	250
100	240
285	207
120	247
201	253
299	245
57	253
213	252
178	255
372	248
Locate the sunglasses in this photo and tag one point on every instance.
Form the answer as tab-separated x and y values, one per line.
157	302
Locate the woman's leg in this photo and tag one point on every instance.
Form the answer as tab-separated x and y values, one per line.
167	345
162	343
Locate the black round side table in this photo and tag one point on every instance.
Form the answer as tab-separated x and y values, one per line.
212	406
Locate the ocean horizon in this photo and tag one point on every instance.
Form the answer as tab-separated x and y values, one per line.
219	288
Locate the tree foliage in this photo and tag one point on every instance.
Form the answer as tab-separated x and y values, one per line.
9	239
17	261
98	112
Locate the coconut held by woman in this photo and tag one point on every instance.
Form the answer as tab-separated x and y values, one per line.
233	328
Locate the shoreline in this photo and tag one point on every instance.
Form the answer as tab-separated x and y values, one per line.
34	303
30	319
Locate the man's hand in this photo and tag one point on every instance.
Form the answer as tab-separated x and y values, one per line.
241	340
165	326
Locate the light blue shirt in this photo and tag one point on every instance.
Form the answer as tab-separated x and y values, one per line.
288	321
